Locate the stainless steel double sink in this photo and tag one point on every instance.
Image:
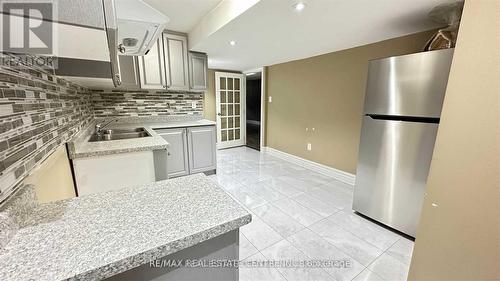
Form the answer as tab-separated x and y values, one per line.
119	134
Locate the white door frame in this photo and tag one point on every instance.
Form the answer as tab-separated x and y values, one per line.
262	71
243	117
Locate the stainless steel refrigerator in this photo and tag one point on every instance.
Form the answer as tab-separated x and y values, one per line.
403	102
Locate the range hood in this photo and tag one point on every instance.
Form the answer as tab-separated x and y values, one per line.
132	27
139	26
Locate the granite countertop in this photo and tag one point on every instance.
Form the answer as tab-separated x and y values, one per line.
172	124
100	235
80	147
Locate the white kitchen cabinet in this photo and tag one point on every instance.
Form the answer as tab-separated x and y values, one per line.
115	171
201	148
191	150
167	65
198	68
177	156
152	68
176	61
129	73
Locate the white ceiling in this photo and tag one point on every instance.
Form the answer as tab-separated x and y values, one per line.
183	14
272	32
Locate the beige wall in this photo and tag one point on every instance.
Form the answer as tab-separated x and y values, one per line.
459	239
325	92
209	97
52	179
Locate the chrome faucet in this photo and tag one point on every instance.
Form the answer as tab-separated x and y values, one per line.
100	126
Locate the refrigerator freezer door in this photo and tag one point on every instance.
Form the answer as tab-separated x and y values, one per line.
394	161
410	85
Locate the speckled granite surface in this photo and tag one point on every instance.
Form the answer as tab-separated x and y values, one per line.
179	124
80	147
14	213
100	235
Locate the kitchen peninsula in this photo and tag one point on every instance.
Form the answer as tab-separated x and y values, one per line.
101	235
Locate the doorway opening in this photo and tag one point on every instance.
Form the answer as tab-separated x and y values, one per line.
253	109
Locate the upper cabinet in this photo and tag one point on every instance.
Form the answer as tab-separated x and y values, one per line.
152	68
82	13
167	65
129	72
198	68
176	61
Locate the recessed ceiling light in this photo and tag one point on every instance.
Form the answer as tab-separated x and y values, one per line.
299	6
232	43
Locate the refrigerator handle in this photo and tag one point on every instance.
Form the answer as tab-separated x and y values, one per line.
415	119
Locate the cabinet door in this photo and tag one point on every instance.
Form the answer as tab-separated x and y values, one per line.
177	156
87	13
152	69
176	61
198	67
129	72
114	171
202	156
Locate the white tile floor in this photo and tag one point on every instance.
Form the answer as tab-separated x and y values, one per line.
302	215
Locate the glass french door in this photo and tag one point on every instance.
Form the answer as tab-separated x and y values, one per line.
230	107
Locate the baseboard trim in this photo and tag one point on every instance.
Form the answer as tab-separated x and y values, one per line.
340	175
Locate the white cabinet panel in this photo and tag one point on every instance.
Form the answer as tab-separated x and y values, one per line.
152	68
78	12
177	151
198	67
201	143
176	61
116	171
93	47
129	72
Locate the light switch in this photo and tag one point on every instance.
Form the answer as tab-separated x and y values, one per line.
270	99
309	146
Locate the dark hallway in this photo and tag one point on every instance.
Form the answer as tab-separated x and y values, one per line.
253	104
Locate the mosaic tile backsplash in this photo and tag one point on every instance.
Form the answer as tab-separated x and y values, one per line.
38	113
146	103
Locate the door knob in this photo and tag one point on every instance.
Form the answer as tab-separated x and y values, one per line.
219	114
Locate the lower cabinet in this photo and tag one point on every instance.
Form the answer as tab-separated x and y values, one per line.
110	172
177	155
192	150
202	155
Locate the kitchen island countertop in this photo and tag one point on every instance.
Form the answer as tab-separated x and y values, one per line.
100	235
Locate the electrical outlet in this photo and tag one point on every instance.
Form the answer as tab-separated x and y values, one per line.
309	146
270	99
193	104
